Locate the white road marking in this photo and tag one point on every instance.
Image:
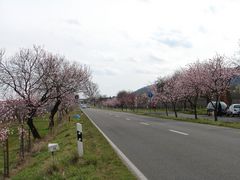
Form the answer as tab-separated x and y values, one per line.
144	123
123	157
179	132
128	119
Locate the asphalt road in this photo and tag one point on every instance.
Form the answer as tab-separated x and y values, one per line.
172	150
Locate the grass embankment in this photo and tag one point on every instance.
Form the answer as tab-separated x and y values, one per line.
152	113
99	160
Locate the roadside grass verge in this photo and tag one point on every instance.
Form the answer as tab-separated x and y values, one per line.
200	111
41	124
199	120
192	120
98	162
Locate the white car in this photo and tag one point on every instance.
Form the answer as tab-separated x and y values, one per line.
83	106
211	105
234	109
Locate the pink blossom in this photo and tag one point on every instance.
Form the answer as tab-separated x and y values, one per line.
4	132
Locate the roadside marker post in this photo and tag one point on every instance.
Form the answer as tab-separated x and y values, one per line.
79	139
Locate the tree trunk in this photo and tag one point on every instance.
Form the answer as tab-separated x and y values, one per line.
31	125
216	109
60	116
52	114
195	106
6	159
174	109
29	140
22	143
195	111
215	115
166	107
184	105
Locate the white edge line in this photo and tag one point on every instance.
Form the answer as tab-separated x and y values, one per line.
122	156
144	123
179	132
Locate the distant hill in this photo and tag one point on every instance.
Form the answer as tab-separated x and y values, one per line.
143	90
235	81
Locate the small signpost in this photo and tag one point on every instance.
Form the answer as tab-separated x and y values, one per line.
79	139
150	95
52	147
77	116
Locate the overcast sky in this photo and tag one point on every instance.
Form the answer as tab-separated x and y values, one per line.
126	43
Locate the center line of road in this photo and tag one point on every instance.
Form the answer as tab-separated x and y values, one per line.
144	123
179	132
128	119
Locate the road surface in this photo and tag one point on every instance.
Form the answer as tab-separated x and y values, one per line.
172	150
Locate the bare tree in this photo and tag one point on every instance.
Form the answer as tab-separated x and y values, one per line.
91	91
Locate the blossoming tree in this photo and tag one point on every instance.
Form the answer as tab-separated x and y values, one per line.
217	74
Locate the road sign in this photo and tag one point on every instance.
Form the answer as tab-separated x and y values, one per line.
76	116
150	94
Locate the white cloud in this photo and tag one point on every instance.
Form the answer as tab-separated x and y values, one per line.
73	22
172	39
127	43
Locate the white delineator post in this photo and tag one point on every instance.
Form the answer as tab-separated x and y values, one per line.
79	139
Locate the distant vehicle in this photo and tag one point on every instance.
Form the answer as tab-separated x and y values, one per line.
221	108
83	106
233	110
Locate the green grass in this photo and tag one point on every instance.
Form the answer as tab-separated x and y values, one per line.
200	111
199	120
99	160
42	125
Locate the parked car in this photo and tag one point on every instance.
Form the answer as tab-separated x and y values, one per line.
233	110
83	106
221	108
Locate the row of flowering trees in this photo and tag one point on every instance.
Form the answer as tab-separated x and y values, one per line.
125	100
40	78
33	81
210	79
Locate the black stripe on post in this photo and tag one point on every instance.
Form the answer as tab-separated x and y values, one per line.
79	136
